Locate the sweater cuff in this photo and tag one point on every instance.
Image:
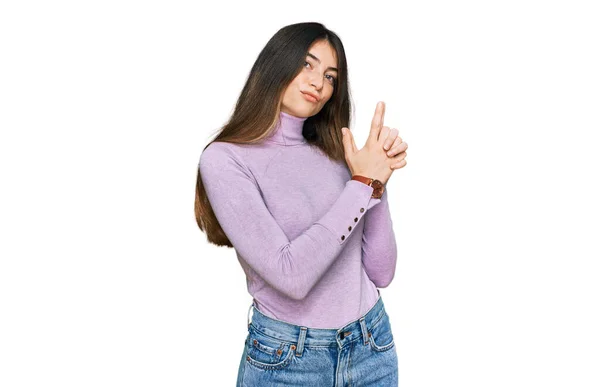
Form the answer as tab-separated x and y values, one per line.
348	209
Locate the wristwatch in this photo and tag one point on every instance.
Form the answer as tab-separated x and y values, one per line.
378	186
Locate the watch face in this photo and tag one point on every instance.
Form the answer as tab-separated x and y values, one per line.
378	188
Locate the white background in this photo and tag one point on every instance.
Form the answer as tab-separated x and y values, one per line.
105	107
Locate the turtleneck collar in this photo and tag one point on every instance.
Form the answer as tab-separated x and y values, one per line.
288	130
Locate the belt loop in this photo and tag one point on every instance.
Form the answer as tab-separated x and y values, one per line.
301	338
364	330
250	308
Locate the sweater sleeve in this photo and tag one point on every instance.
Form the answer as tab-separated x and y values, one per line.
379	252
292	267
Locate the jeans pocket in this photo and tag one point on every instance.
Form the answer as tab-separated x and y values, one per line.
268	353
380	334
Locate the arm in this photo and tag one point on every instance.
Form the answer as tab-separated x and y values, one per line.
379	244
291	267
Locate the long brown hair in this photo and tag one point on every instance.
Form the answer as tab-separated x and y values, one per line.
258	106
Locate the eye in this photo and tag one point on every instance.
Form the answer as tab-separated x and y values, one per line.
331	78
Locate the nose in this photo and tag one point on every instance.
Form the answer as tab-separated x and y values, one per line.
317	81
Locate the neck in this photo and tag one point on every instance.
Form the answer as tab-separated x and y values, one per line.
288	130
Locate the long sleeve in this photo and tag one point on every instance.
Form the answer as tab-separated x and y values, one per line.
379	244
291	267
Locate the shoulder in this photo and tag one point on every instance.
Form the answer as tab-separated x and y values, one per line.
224	160
220	154
250	157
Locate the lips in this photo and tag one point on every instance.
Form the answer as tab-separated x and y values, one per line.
310	96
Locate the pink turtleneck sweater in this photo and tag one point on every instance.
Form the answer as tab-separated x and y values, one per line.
312	242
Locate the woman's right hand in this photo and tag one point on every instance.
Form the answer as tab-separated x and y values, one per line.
371	160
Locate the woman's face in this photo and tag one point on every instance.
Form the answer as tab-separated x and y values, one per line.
317	77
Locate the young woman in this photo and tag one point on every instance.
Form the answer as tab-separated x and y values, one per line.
284	184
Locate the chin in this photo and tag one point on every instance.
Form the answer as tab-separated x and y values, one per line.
300	111
309	110
301	108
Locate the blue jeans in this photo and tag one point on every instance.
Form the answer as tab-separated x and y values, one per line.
362	353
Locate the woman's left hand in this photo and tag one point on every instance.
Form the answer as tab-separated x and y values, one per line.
394	146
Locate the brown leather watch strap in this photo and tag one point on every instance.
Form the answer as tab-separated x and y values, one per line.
378	187
363	179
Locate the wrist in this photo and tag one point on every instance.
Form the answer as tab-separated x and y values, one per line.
377	185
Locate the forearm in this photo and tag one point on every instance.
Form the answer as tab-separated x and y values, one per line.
379	244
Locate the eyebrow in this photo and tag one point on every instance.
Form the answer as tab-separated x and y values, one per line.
318	60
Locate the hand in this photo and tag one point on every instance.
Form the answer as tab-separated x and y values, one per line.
371	160
394	146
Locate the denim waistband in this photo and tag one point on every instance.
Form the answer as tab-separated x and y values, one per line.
318	336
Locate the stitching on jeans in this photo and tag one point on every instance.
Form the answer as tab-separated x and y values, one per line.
275	366
350	362
333	344
377	320
272	337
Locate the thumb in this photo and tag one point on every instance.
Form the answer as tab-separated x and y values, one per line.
348	140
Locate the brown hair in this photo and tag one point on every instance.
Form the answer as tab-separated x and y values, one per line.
258	106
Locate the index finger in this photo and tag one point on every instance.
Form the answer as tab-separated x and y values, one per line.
377	121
